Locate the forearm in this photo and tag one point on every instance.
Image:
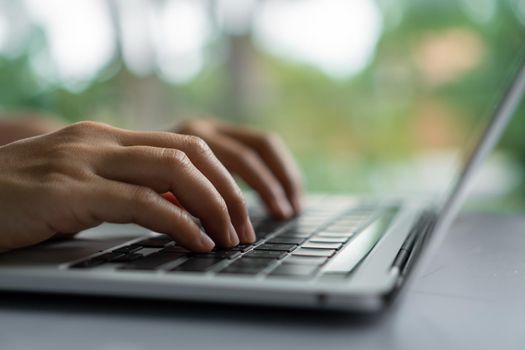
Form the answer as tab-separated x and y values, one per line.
15	127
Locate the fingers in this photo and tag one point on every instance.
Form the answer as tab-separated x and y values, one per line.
205	161
165	169
117	202
250	167
276	156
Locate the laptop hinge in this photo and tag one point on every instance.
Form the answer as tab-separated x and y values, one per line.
413	242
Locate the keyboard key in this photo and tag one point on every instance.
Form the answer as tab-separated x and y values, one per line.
153	261
278	247
314	245
219	254
96	261
251	270
147	251
153	243
313	252
197	265
127	249
251	263
310	260
240	248
321	239
176	248
294	270
287	240
127	258
265	254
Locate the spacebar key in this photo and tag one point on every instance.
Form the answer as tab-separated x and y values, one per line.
352	254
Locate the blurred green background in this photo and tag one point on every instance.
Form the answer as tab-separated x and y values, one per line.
370	95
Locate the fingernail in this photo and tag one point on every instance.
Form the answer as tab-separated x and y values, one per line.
248	232
206	242
232	234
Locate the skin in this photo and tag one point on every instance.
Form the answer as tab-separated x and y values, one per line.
82	175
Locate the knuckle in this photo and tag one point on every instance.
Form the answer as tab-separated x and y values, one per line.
87	126
85	131
197	144
175	157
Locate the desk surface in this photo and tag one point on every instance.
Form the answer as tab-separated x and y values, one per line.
472	296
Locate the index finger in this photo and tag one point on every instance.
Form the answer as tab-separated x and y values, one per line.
203	158
276	156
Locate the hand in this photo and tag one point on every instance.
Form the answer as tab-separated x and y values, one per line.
89	173
259	158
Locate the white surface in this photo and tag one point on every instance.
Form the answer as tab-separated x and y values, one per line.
472	297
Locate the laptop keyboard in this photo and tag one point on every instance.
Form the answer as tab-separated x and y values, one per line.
304	247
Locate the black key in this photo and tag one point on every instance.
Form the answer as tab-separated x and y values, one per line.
250	263
219	254
287	240
107	256
265	254
153	261
147	251
314	245
253	270
247	266
278	247
175	248
197	265
244	247
96	261
127	249
313	252
240	248
294	270
127	258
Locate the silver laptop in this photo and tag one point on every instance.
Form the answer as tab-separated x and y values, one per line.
342	253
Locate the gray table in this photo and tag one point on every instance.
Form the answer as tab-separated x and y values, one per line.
471	297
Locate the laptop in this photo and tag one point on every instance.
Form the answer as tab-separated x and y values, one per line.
342	253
